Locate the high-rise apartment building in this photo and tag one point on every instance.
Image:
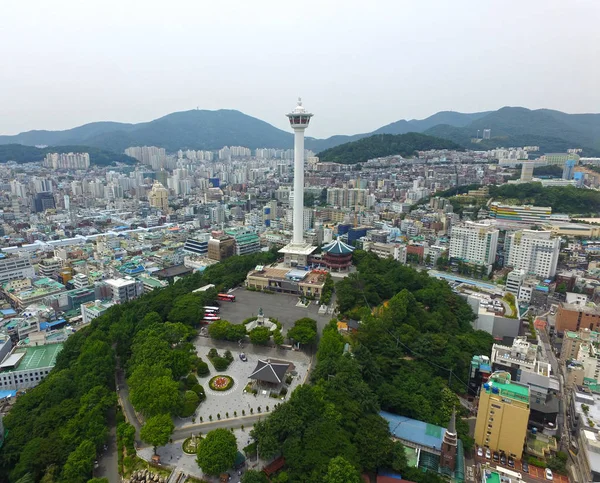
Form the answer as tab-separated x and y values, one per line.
44	201
67	161
502	415
159	197
474	243
535	252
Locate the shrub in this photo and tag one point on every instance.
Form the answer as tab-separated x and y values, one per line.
189	403
199	390
190	381
212	353
251	410
228	356
283	391
218	415
220	363
202	368
243	412
235	413
226	415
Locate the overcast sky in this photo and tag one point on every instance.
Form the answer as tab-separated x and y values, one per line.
358	64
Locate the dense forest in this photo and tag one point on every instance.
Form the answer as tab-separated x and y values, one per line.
381	145
57	428
402	359
30	154
562	199
408	357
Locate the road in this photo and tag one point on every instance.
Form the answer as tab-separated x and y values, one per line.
108	461
123	393
186	432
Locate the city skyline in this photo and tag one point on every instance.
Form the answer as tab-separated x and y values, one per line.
363	69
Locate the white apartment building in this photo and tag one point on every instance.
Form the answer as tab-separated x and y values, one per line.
124	289
91	310
535	252
474	243
13	267
514	280
385	250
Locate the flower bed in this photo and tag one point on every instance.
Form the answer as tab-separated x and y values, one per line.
221	383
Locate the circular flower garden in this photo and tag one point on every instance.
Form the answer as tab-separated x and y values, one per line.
221	383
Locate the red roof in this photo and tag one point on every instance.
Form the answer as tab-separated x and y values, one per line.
389	479
274	466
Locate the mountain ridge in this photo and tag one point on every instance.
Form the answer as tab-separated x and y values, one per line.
211	130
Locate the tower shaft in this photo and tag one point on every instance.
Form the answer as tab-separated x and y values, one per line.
298	213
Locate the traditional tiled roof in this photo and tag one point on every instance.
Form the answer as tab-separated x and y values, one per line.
268	371
338	247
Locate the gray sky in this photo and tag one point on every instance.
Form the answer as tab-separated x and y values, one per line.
358	64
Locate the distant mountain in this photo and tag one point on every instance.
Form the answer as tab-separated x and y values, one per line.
27	154
197	129
380	145
516	126
203	129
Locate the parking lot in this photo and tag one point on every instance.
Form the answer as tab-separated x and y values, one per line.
281	306
535	474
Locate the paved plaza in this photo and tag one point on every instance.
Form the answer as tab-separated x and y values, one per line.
281	306
234	399
172	456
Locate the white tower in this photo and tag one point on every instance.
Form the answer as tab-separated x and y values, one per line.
299	120
297	252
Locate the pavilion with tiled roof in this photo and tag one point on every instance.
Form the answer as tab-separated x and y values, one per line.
338	255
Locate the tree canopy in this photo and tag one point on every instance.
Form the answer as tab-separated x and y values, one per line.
304	331
217	451
71	405
562	199
157	430
380	145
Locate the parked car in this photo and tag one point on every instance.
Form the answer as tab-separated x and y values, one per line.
479	452
496	456
549	475
503	459
243	357
488	454
511	462
525	467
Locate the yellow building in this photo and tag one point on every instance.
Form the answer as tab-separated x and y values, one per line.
502	415
159	197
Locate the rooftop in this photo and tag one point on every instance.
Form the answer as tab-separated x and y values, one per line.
499	383
415	431
33	358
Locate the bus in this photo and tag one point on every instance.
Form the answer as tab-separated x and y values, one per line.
212	309
226	297
210	318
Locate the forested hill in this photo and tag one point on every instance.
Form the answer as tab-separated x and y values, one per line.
30	154
381	145
409	357
562	199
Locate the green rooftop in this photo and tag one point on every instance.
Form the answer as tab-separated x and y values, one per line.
509	389
37	357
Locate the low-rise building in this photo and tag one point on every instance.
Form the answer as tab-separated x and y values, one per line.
92	310
119	290
15	267
39	289
285	280
25	367
514	280
574	317
385	250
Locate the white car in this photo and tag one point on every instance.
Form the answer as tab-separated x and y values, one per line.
549	475
488	454
479	452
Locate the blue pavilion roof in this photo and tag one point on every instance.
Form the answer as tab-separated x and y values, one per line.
338	247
